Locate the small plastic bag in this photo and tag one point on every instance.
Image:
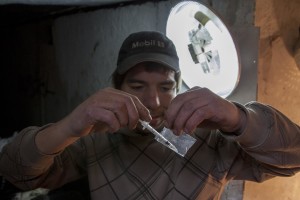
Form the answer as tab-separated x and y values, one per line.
182	142
179	144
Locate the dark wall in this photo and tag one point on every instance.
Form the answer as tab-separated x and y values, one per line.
21	86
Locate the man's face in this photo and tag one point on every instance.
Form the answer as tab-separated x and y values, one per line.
155	89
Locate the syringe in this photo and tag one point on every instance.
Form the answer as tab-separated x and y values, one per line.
162	139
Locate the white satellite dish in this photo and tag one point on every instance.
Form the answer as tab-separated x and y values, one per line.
207	53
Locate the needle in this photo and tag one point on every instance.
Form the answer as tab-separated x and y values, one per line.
156	133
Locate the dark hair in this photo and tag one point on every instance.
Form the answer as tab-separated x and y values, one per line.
117	79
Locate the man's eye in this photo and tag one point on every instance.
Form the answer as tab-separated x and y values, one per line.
136	87
167	89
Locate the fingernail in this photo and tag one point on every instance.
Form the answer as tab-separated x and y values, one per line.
175	132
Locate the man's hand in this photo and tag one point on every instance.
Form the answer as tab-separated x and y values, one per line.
200	107
107	110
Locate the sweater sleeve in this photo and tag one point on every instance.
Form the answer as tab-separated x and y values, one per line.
25	166
269	145
270	136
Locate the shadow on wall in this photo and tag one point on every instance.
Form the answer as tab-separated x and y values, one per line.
288	20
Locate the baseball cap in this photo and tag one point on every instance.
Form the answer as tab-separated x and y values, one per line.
147	46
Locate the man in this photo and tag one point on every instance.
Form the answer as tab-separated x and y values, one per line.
102	137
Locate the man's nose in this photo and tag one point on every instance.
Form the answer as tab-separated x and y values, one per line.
152	99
